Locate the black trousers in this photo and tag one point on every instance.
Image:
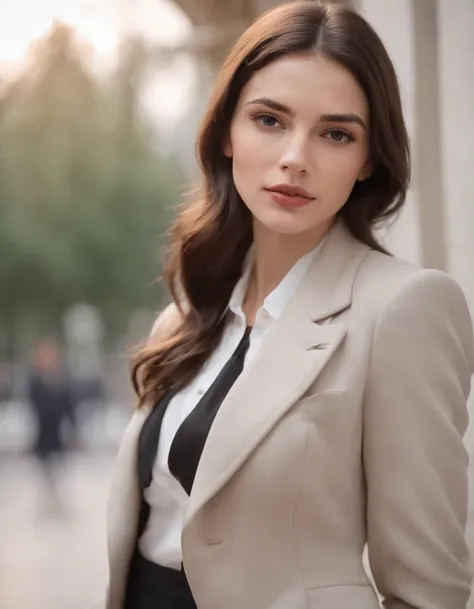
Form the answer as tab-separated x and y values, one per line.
151	586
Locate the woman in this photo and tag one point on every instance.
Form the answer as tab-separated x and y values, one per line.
305	393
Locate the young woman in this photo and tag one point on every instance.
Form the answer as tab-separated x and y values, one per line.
305	393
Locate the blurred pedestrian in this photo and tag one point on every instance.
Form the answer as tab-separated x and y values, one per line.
51	399
305	393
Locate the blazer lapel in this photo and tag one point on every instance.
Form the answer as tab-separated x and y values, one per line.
295	351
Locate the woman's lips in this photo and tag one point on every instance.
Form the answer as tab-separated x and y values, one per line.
287	200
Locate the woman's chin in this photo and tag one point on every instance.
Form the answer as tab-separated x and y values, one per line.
283	223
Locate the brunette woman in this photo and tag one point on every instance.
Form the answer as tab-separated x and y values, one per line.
305	393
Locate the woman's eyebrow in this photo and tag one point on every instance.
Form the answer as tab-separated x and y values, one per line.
343	118
266	101
325	118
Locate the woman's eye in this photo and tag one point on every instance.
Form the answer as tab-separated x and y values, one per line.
339	136
267	120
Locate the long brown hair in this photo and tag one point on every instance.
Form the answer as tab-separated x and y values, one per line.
212	235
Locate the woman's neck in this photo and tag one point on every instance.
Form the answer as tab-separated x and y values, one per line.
274	255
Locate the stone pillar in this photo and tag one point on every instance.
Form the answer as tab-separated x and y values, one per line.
426	145
394	23
456	90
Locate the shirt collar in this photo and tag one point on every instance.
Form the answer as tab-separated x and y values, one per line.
238	293
276	301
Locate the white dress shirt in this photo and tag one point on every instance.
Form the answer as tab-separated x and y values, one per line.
161	540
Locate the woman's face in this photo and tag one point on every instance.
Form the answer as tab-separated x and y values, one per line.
300	122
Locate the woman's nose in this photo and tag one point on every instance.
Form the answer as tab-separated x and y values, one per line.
295	157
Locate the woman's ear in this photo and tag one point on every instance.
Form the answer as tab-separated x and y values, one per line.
366	171
227	147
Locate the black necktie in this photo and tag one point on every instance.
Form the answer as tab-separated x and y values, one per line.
188	443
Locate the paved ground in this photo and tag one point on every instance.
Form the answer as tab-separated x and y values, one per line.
53	558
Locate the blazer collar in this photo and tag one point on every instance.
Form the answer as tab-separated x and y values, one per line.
327	288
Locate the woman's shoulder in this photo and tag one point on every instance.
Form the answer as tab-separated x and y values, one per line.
402	299
385	279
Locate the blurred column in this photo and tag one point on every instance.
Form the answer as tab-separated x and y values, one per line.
456	90
84	333
393	21
428	173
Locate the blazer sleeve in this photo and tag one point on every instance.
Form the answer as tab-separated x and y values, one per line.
415	417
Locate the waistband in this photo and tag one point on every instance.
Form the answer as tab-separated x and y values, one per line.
153	586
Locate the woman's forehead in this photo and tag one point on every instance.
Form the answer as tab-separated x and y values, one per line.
308	81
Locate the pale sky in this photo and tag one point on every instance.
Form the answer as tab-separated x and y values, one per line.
102	23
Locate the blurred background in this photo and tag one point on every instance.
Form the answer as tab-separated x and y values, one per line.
99	105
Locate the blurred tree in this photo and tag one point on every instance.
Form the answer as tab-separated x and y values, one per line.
84	192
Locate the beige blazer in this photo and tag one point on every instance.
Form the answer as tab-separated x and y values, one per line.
345	429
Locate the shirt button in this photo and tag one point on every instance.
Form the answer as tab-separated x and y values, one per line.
200	392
